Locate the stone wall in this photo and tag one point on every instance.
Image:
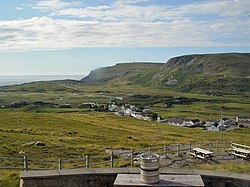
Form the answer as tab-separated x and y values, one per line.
101	177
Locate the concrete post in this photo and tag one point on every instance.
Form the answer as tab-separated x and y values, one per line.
178	150
25	163
132	158
112	159
149	149
59	163
87	161
165	151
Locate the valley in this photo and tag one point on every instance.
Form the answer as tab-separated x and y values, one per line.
59	119
71	118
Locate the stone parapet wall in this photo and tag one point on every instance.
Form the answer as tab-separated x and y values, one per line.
102	177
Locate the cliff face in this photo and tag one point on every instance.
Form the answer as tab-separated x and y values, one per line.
212	64
98	75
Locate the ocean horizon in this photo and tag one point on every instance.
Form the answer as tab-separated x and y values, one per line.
6	80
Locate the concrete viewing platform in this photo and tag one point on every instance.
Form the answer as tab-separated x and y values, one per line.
105	177
133	180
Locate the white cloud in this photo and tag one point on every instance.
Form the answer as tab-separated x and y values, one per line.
127	24
19	8
45	5
130	1
117	12
227	8
124	10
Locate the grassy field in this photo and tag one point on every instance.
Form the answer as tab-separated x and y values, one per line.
202	110
73	135
74	132
9	178
75	94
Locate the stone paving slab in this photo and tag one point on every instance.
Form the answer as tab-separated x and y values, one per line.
133	180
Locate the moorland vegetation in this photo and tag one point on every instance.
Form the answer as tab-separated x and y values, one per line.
52	111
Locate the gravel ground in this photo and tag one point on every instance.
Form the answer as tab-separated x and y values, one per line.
186	160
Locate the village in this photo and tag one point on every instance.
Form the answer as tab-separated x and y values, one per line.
144	113
141	113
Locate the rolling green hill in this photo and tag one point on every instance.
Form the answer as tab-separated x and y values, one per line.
43	86
125	73
213	72
206	73
74	131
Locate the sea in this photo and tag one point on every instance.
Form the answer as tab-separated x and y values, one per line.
20	79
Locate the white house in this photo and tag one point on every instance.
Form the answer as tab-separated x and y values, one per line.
112	108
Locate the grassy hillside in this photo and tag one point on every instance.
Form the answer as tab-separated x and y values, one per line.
212	74
124	74
76	134
218	73
73	135
43	86
75	131
208	73
205	106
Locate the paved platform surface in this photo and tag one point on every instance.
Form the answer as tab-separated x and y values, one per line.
133	180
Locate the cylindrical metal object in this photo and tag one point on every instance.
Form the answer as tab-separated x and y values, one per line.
150	168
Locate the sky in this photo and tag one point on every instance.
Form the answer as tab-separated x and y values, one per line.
73	37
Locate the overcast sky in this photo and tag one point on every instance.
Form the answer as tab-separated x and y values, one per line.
58	37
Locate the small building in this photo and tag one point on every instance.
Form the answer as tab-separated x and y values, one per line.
89	105
187	123
196	121
175	121
112	108
244	121
213	128
119	98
